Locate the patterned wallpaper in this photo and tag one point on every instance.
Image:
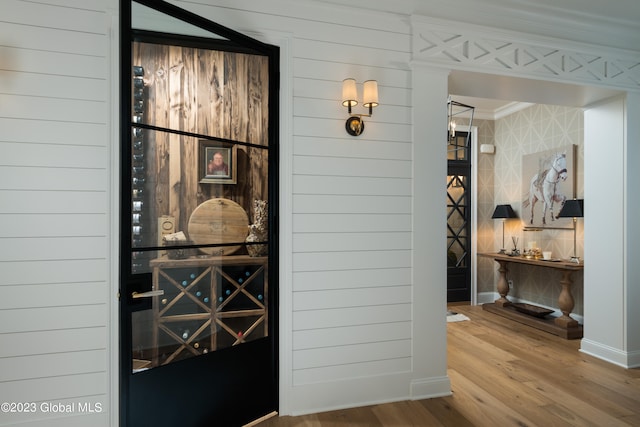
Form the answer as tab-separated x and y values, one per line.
537	128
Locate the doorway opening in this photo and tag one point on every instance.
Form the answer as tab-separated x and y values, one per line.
459	214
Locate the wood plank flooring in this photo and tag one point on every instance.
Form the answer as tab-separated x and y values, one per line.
505	374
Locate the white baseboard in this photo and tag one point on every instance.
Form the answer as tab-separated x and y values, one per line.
627	360
357	392
487	297
428	388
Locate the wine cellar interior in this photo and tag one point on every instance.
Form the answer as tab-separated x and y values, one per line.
191	104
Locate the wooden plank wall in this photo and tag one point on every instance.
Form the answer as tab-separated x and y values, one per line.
54	209
215	93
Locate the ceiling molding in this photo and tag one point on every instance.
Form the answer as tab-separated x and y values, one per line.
594	22
510	53
512	107
489	109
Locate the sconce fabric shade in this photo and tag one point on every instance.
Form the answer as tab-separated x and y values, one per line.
354	124
573	208
349	93
370	96
503	211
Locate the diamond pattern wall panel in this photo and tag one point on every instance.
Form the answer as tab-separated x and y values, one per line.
476	49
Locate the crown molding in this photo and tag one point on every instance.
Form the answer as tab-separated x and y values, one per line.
590	24
500	112
509	109
606	24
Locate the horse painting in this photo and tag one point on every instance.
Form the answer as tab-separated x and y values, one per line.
543	187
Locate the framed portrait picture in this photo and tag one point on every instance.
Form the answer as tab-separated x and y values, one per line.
217	162
548	179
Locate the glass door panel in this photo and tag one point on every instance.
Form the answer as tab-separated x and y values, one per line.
458	230
150	19
197	259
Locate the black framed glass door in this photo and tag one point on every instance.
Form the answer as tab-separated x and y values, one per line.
198	209
459	219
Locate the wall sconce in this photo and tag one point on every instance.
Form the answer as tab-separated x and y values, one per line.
355	124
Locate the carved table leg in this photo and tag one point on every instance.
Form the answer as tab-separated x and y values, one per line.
503	285
565	302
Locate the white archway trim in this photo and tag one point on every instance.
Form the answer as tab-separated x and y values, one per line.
479	49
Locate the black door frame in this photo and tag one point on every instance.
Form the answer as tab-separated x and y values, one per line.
458	273
185	395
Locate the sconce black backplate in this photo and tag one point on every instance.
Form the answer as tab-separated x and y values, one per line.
354	126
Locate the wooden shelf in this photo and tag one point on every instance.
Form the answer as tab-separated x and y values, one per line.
546	324
209	303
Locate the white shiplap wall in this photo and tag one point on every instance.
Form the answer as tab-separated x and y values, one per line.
348	295
54	209
351	311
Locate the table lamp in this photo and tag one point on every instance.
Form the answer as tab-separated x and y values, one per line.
573	208
503	212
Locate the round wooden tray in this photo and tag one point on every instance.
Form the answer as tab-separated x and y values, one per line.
218	221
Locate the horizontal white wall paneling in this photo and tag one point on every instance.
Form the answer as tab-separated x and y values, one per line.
57	66
15	201
336	223
305	19
60	364
351	316
351	204
70	225
349	335
335	279
371	241
51	318
374	131
307	165
49	248
362	369
52	271
37	108
339	298
54	175
65	133
339	146
350	354
338	260
50	342
352	185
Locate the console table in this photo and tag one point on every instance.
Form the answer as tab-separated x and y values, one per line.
564	326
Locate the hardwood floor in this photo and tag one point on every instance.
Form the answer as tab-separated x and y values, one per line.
506	374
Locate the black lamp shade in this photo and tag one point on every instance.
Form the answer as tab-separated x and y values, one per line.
573	208
504	211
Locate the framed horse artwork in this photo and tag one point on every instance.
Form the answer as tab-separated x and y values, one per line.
548	179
